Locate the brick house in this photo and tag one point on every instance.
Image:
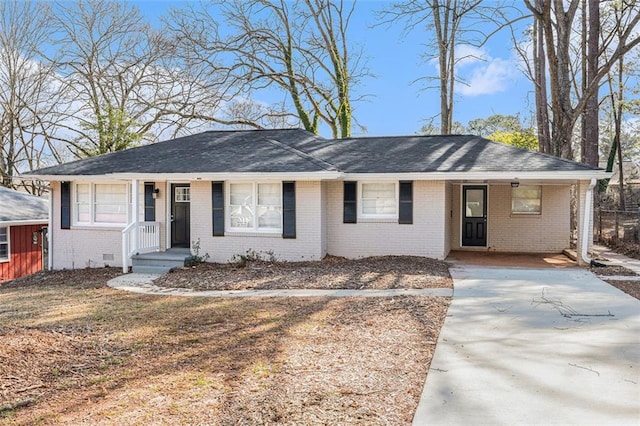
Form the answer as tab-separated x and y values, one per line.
23	222
300	197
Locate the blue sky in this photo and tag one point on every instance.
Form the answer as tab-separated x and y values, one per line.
397	107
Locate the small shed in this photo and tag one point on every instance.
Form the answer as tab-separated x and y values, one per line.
23	228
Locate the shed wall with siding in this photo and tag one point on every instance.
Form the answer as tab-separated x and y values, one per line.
25	256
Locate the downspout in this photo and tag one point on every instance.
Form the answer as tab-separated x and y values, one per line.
588	212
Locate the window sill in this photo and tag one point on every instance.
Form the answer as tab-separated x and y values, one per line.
5	260
378	220
526	215
277	234
98	227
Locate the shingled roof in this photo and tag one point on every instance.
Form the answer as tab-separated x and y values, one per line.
299	151
19	207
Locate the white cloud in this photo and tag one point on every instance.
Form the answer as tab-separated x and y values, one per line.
486	78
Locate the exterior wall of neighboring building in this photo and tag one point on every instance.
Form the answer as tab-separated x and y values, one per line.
425	237
306	246
547	232
25	252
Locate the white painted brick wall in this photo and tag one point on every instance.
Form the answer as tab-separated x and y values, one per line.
79	248
306	246
425	237
544	233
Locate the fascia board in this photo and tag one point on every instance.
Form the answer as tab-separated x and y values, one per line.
480	176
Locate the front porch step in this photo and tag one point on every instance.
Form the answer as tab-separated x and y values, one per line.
159	262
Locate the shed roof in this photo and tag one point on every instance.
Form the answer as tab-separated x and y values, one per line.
18	206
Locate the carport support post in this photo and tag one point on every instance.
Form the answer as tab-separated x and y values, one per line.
638	227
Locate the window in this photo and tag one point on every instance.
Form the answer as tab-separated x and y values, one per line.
255	207
526	199
379	200
103	203
183	194
4	243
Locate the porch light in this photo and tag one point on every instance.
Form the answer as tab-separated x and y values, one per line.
515	184
156	193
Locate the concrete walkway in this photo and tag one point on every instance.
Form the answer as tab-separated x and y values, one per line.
616	259
534	346
143	283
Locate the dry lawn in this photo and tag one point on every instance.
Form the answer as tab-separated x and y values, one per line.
74	351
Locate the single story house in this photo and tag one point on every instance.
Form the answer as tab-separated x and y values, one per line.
300	197
23	223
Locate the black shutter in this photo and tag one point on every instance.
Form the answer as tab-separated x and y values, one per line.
217	201
149	202
288	209
405	208
65	205
350	213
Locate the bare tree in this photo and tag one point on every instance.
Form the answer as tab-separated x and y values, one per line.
452	23
556	23
117	83
299	49
26	101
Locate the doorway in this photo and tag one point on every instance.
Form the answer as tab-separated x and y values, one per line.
180	214
474	216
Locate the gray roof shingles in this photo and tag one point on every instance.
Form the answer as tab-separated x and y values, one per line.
17	206
296	150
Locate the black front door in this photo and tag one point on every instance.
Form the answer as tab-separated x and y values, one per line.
180	214
474	216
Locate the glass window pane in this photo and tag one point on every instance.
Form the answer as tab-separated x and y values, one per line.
4	243
269	194
474	202
269	217
83	202
110	204
379	198
183	194
241	217
526	199
241	194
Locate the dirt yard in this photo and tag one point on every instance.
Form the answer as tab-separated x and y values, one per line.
77	352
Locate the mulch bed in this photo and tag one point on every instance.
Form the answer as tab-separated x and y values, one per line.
387	272
609	271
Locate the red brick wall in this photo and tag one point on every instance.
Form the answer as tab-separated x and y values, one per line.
26	257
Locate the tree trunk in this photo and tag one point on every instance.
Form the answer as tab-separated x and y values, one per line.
539	65
592	133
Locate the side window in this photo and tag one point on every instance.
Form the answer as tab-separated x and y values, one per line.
526	199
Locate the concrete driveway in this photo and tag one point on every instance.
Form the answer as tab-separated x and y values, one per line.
534	346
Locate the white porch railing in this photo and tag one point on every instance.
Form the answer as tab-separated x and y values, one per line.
139	237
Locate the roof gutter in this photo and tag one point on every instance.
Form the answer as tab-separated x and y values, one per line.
588	212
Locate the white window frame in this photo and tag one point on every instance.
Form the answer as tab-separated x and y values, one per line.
255	229
525	213
92	204
8	244
361	214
